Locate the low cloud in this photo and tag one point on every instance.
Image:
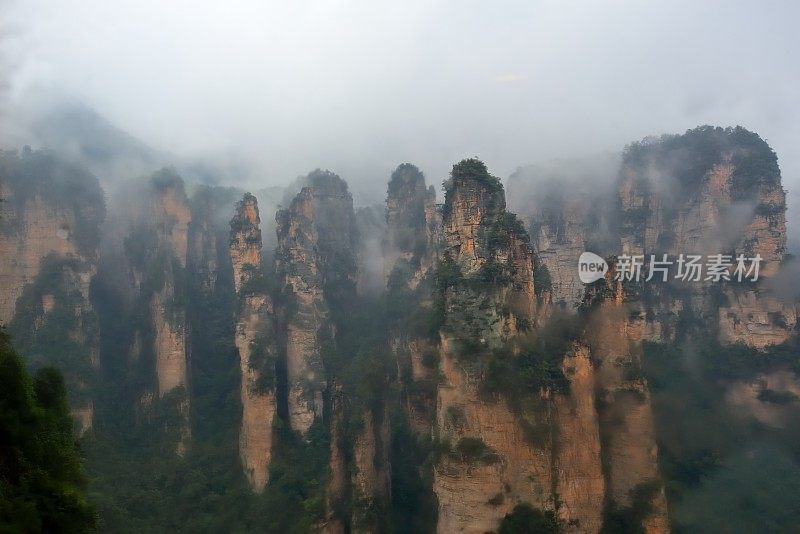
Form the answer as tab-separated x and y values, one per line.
510	78
360	87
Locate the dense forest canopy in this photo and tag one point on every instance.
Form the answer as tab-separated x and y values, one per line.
42	483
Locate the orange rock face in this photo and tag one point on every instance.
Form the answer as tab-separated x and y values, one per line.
716	215
173	210
172	216
166	215
170	348
42	230
36	228
578	470
258	404
256	344
474	496
626	417
482	239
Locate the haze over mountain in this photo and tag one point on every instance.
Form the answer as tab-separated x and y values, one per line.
283	88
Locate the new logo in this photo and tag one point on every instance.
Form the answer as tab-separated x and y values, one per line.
591	267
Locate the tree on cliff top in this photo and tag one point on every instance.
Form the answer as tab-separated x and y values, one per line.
407	176
60	184
471	169
42	487
691	156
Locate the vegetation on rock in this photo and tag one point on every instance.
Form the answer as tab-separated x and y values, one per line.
42	485
64	186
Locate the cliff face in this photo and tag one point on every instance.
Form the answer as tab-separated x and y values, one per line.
358	489
475	490
315	261
49	207
298	268
417	361
756	317
712	191
614	333
255	341
42	230
371	480
171	215
413	225
50	220
729	198
410	254
337	486
558	233
170	342
485	242
568	207
245	244
156	250
489	465
706	192
578	472
582	446
326	277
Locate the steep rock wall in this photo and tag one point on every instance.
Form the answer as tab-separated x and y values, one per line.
50	217
410	255
579	481
42	230
559	240
156	252
489	465
707	192
489	245
336	491
255	342
316	262
413	225
371	478
299	270
171	216
474	493
625	414
568	206
170	343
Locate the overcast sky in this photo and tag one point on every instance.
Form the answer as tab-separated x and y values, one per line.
359	87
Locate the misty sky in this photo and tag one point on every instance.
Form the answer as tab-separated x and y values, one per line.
359	87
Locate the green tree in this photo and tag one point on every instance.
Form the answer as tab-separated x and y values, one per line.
42	486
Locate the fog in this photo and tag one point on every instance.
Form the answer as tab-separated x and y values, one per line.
281	88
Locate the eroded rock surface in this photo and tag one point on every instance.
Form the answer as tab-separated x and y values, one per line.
315	260
256	343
